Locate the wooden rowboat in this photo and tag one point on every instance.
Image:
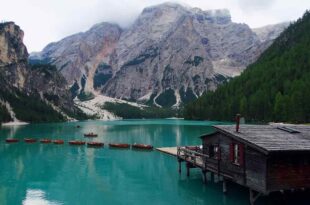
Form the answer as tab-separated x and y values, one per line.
30	140
12	140
58	141
95	144
90	135
45	141
116	145
76	142
142	146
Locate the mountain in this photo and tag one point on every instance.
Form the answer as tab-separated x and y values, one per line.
29	93
270	32
274	88
171	54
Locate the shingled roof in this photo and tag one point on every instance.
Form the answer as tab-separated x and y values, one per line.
270	138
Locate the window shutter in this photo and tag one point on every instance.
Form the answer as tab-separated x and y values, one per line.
231	152
241	154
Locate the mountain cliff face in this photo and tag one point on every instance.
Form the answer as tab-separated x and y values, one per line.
171	54
29	93
274	88
79	57
13	54
270	32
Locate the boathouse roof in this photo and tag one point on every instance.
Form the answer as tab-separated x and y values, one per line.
270	138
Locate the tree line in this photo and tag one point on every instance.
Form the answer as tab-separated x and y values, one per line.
274	88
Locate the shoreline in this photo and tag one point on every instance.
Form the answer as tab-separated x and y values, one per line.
14	123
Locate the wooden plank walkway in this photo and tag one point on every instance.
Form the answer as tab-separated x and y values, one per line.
195	160
169	150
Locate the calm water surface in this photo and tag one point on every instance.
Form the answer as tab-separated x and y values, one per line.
51	174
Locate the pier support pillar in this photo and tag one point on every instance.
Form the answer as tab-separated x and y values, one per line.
212	177
204	177
224	186
180	166
187	169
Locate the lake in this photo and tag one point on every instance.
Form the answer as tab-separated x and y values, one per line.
39	174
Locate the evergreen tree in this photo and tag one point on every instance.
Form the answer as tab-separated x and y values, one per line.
274	88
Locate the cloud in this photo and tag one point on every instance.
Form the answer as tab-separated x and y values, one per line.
251	5
51	20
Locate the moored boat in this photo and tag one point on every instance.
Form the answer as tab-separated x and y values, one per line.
142	146
95	144
30	140
91	134
11	140
118	145
45	141
76	142
58	141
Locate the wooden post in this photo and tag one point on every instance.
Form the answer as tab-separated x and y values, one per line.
216	178
212	177
180	167
220	178
187	169
224	186
204	176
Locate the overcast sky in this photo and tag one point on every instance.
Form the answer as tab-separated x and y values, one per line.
45	21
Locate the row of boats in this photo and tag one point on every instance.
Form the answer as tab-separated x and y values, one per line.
78	142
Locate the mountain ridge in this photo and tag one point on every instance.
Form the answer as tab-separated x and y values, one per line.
274	88
170	50
29	93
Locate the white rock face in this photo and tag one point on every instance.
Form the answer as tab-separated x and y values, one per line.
171	54
270	32
94	107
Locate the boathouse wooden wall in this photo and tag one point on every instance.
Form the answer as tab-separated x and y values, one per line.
252	172
287	170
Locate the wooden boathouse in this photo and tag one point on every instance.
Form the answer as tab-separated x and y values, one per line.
264	158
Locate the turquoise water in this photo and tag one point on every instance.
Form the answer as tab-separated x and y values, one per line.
38	174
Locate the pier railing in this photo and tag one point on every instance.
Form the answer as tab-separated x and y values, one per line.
196	157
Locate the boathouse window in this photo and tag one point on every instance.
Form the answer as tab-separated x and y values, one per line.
214	151
236	153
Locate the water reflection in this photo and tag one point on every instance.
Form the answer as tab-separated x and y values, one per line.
62	174
37	197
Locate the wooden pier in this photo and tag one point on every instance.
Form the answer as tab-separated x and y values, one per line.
169	150
195	159
262	164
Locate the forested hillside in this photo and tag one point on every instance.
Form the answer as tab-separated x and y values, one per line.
275	88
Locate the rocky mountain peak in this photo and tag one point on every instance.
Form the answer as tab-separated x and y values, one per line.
79	55
219	16
270	32
29	90
169	55
167	6
11	44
